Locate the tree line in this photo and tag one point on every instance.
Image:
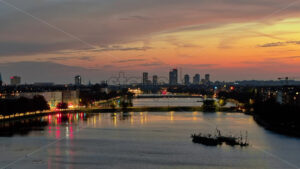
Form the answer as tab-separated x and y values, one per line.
22	105
280	117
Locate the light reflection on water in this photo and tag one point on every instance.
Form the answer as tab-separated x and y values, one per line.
140	140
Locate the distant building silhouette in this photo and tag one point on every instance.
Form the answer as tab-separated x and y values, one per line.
207	78
15	80
78	80
186	79
145	78
1	82
155	80
196	79
173	77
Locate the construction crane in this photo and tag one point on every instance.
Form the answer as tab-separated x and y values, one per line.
284	78
287	79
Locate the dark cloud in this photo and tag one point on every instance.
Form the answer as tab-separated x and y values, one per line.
196	27
27	48
130	60
120	48
293	57
204	65
266	35
294	42
9	48
151	64
83	58
198	66
285	57
275	44
266	62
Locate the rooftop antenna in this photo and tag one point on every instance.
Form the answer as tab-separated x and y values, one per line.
180	75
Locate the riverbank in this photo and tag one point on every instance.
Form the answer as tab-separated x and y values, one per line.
280	118
288	131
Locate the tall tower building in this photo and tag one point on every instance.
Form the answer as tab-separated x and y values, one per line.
78	80
186	79
15	80
196	79
1	82
155	80
145	78
173	77
207	78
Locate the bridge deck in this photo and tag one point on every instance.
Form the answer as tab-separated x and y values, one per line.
167	96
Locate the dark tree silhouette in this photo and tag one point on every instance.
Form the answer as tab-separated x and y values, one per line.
22	105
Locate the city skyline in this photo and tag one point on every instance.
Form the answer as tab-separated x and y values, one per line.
236	40
149	79
146	79
36	72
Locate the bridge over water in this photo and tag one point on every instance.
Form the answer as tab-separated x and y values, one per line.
167	96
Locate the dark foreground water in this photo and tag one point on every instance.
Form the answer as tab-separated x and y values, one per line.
141	140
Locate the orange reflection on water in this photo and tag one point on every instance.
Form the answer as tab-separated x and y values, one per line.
145	117
94	121
219	116
172	116
131	118
141	117
115	119
195	114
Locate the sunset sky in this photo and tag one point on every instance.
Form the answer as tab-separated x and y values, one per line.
230	39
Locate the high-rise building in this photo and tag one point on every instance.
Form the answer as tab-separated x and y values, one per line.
145	78
186	79
78	80
196	79
155	80
15	80
173	77
1	80
207	78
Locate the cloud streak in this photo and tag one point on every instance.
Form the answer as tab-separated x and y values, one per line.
276	44
130	60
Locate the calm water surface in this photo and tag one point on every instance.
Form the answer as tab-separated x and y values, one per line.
156	140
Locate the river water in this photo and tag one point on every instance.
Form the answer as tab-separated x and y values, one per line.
142	140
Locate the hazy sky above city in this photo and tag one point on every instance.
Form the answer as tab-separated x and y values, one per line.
230	39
